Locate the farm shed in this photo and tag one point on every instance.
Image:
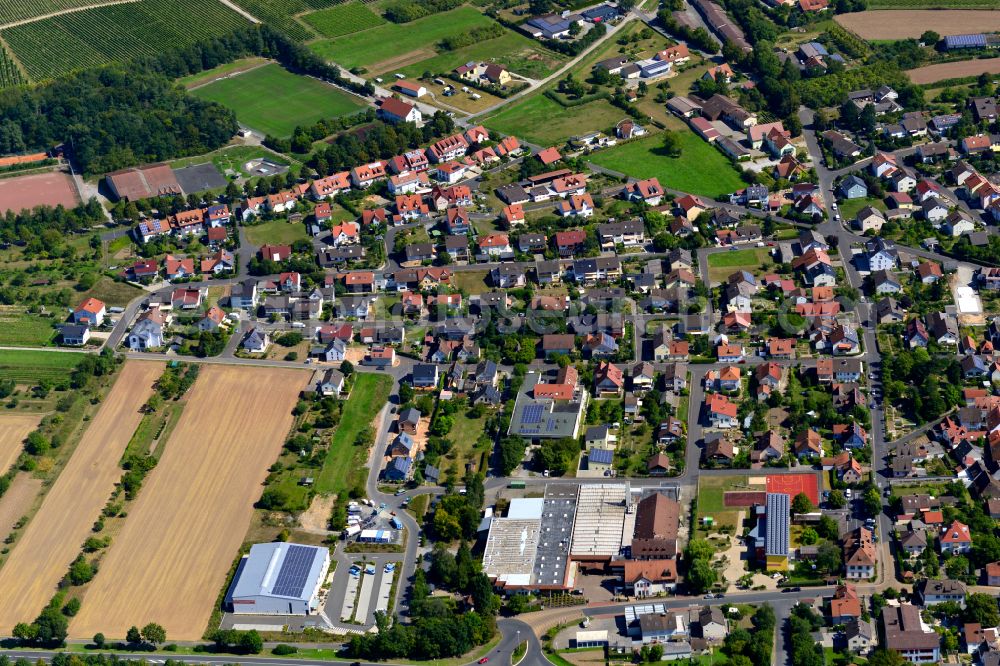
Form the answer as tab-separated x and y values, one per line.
278	579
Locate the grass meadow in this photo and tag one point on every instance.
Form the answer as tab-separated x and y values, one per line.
274	101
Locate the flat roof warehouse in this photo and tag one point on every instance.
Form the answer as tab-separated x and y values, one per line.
279	578
542	542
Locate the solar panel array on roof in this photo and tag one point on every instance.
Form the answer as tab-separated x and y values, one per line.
777	524
602	456
965	41
532	414
294	571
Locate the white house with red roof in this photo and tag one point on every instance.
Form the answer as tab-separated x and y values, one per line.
290	282
186	298
409	88
495	246
577	205
397	111
513	215
649	191
331	186
178	268
367	174
449	148
549	156
477	134
91	311
346	233
955	539
275	252
450	172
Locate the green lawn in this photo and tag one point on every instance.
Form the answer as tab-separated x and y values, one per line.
28	367
367	397
520	54
540	120
711	492
464	434
274	101
472	282
343	19
23	329
391	41
276	232
112	293
700	169
849	208
753	256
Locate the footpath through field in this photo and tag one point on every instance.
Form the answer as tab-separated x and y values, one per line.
54	537
169	562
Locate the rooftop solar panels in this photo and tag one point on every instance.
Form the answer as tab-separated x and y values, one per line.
294	571
777	524
602	456
532	414
975	41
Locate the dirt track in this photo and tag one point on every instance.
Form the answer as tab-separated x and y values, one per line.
953	70
907	23
170	560
13	429
52	540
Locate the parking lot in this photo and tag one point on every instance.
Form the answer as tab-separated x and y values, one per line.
368	588
372	524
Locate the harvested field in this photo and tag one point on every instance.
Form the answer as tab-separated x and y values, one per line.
17	501
953	70
170	560
907	23
49	189
41	557
13	429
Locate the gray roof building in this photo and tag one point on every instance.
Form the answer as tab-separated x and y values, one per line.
777	527
279	579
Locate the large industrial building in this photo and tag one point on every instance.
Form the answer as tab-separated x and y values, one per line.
542	543
278	579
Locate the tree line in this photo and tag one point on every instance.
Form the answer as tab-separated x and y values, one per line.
44	228
378	142
117	116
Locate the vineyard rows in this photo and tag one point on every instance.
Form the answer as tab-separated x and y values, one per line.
18	10
281	14
10	75
55	46
343	19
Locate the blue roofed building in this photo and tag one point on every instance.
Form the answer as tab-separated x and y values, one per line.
600	460
601	13
398	469
973	41
777	519
551	26
278	579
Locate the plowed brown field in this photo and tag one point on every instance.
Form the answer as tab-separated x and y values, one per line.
52	540
13	429
170	560
906	23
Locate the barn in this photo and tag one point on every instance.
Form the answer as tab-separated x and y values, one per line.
278	579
